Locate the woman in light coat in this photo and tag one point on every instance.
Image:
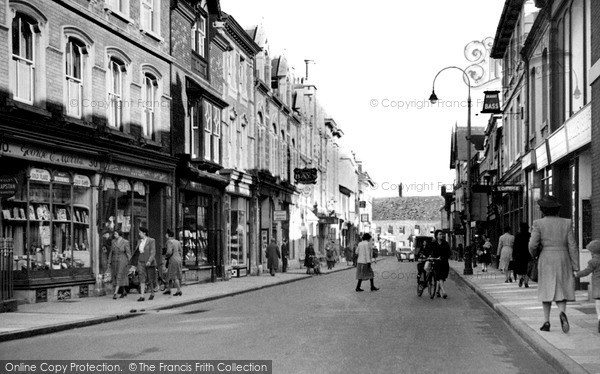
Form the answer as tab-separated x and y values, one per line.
174	258
553	241
118	260
363	268
505	245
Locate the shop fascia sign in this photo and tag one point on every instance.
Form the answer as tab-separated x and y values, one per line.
305	175
280	215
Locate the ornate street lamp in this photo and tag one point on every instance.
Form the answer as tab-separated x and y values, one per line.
433	98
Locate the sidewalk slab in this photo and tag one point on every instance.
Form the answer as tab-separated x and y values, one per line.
575	352
48	317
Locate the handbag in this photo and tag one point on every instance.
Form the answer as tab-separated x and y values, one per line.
532	269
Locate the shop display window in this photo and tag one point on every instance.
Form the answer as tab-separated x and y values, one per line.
124	207
237	247
194	233
48	220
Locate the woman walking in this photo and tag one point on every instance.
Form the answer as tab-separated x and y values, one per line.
309	258
486	253
174	258
363	268
441	249
118	260
553	241
505	244
521	254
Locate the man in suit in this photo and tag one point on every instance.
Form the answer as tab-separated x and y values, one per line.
273	256
146	265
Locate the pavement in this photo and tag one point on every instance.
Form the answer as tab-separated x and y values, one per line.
575	352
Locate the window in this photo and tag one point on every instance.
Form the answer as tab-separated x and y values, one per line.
120	6
205	124
74	56
115	93
243	73
23	58
547	181
149	15
149	104
199	36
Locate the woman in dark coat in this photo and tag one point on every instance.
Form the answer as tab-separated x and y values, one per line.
273	256
118	260
553	241
521	254
440	249
309	255
174	257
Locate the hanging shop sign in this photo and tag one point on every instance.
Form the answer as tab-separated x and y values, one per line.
305	175
39	175
8	186
491	102
509	188
62	177
557	144
82	181
364	217
57	158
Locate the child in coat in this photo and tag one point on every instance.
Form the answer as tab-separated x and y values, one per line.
593	267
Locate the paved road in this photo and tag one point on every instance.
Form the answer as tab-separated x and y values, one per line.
313	326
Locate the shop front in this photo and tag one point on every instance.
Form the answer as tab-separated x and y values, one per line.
50	220
200	225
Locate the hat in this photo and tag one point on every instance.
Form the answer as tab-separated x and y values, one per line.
107	231
594	246
548	201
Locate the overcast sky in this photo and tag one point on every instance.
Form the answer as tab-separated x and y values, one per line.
375	65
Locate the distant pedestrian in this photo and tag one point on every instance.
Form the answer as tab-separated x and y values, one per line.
285	252
364	270
118	261
174	259
330	255
309	258
348	254
146	263
273	256
461	252
505	246
521	254
486	255
440	249
594	267
553	241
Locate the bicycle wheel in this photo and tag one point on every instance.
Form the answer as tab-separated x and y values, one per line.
431	284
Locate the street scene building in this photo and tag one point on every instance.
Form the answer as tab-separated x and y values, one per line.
268	188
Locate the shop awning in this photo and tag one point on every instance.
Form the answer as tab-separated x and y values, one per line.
310	217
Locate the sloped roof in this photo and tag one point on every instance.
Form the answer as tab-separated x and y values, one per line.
459	143
410	208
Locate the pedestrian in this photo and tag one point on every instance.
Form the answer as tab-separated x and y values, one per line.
364	270
285	252
593	267
146	264
486	256
273	256
553	241
309	257
330	256
521	254
348	254
174	259
440	249
106	243
118	261
461	252
505	245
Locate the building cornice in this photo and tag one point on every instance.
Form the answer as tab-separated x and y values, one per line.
506	26
240	36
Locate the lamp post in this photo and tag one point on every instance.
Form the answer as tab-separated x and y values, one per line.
433	98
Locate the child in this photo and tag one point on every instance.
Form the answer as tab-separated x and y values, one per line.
593	266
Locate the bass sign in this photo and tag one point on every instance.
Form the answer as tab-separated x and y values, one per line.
305	176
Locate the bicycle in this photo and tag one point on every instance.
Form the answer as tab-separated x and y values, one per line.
431	278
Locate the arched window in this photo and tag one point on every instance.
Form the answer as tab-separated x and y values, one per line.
149	103
24	34
74	67
116	71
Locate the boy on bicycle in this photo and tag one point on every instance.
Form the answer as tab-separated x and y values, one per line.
424	253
